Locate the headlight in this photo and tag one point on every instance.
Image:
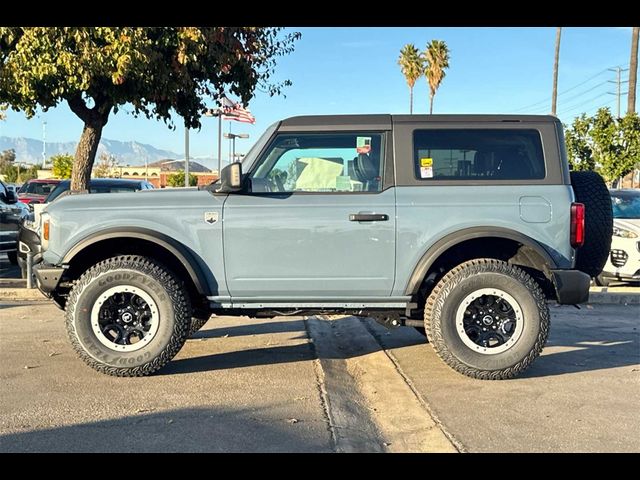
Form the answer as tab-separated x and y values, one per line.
45	230
621	232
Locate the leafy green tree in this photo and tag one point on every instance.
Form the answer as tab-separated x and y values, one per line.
578	142
626	148
19	174
7	157
604	143
177	179
412	67
436	62
157	70
62	165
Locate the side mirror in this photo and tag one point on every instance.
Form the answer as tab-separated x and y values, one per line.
9	198
231	178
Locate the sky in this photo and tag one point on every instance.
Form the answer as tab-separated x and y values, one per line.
354	70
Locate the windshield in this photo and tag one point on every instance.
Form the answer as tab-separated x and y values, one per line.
61	187
626	205
250	157
38	188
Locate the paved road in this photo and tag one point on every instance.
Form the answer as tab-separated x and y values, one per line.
312	385
229	389
582	394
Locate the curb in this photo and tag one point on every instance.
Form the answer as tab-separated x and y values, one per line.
21	294
614	295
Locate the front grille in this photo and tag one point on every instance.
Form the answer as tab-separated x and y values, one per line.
619	258
638	246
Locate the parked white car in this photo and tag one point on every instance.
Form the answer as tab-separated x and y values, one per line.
623	263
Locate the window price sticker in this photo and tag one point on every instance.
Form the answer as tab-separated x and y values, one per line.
426	167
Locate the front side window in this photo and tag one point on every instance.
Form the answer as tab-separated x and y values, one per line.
321	162
478	154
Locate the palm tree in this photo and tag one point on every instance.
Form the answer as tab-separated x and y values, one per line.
437	61
412	68
633	71
554	94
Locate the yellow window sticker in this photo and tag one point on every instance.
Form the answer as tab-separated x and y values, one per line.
426	162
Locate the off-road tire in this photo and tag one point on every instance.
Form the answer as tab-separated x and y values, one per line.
590	189
197	324
449	292
174	315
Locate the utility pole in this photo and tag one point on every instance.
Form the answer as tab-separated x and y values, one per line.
554	96
186	156
44	144
633	70
619	71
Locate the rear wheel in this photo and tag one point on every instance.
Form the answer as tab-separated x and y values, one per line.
487	319
127	316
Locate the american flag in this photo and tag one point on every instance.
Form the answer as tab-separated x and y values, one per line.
235	111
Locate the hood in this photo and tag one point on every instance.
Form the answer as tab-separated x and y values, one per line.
632	224
154	199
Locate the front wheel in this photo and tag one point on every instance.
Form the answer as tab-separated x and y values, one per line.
128	316
487	319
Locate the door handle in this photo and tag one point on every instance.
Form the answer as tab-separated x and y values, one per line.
368	217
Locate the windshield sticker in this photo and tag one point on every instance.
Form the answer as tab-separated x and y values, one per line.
363	144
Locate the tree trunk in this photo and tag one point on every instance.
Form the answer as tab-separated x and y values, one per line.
431	103
94	121
85	155
554	95
410	100
633	71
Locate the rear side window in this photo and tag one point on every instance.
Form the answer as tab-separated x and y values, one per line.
478	154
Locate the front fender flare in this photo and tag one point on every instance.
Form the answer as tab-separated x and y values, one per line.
180	251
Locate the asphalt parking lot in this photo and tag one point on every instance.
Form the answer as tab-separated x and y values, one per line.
321	385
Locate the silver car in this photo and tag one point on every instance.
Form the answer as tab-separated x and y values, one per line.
623	264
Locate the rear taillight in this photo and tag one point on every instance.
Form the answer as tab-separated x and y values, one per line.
577	225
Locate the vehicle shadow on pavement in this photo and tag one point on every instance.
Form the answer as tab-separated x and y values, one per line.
262	356
182	430
250	327
572	348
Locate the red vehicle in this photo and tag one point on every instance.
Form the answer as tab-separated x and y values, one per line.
35	191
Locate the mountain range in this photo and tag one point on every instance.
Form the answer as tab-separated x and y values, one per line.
29	150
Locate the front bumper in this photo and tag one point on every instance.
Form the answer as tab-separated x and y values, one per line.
29	241
572	286
47	277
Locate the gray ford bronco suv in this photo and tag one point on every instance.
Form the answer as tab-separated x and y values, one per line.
462	225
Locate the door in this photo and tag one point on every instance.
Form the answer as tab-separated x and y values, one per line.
317	223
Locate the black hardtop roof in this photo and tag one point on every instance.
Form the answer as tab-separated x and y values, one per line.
380	120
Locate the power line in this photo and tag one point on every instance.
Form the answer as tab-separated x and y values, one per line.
548	99
570	108
571	98
586	91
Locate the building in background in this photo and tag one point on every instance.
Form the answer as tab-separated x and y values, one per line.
158	172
